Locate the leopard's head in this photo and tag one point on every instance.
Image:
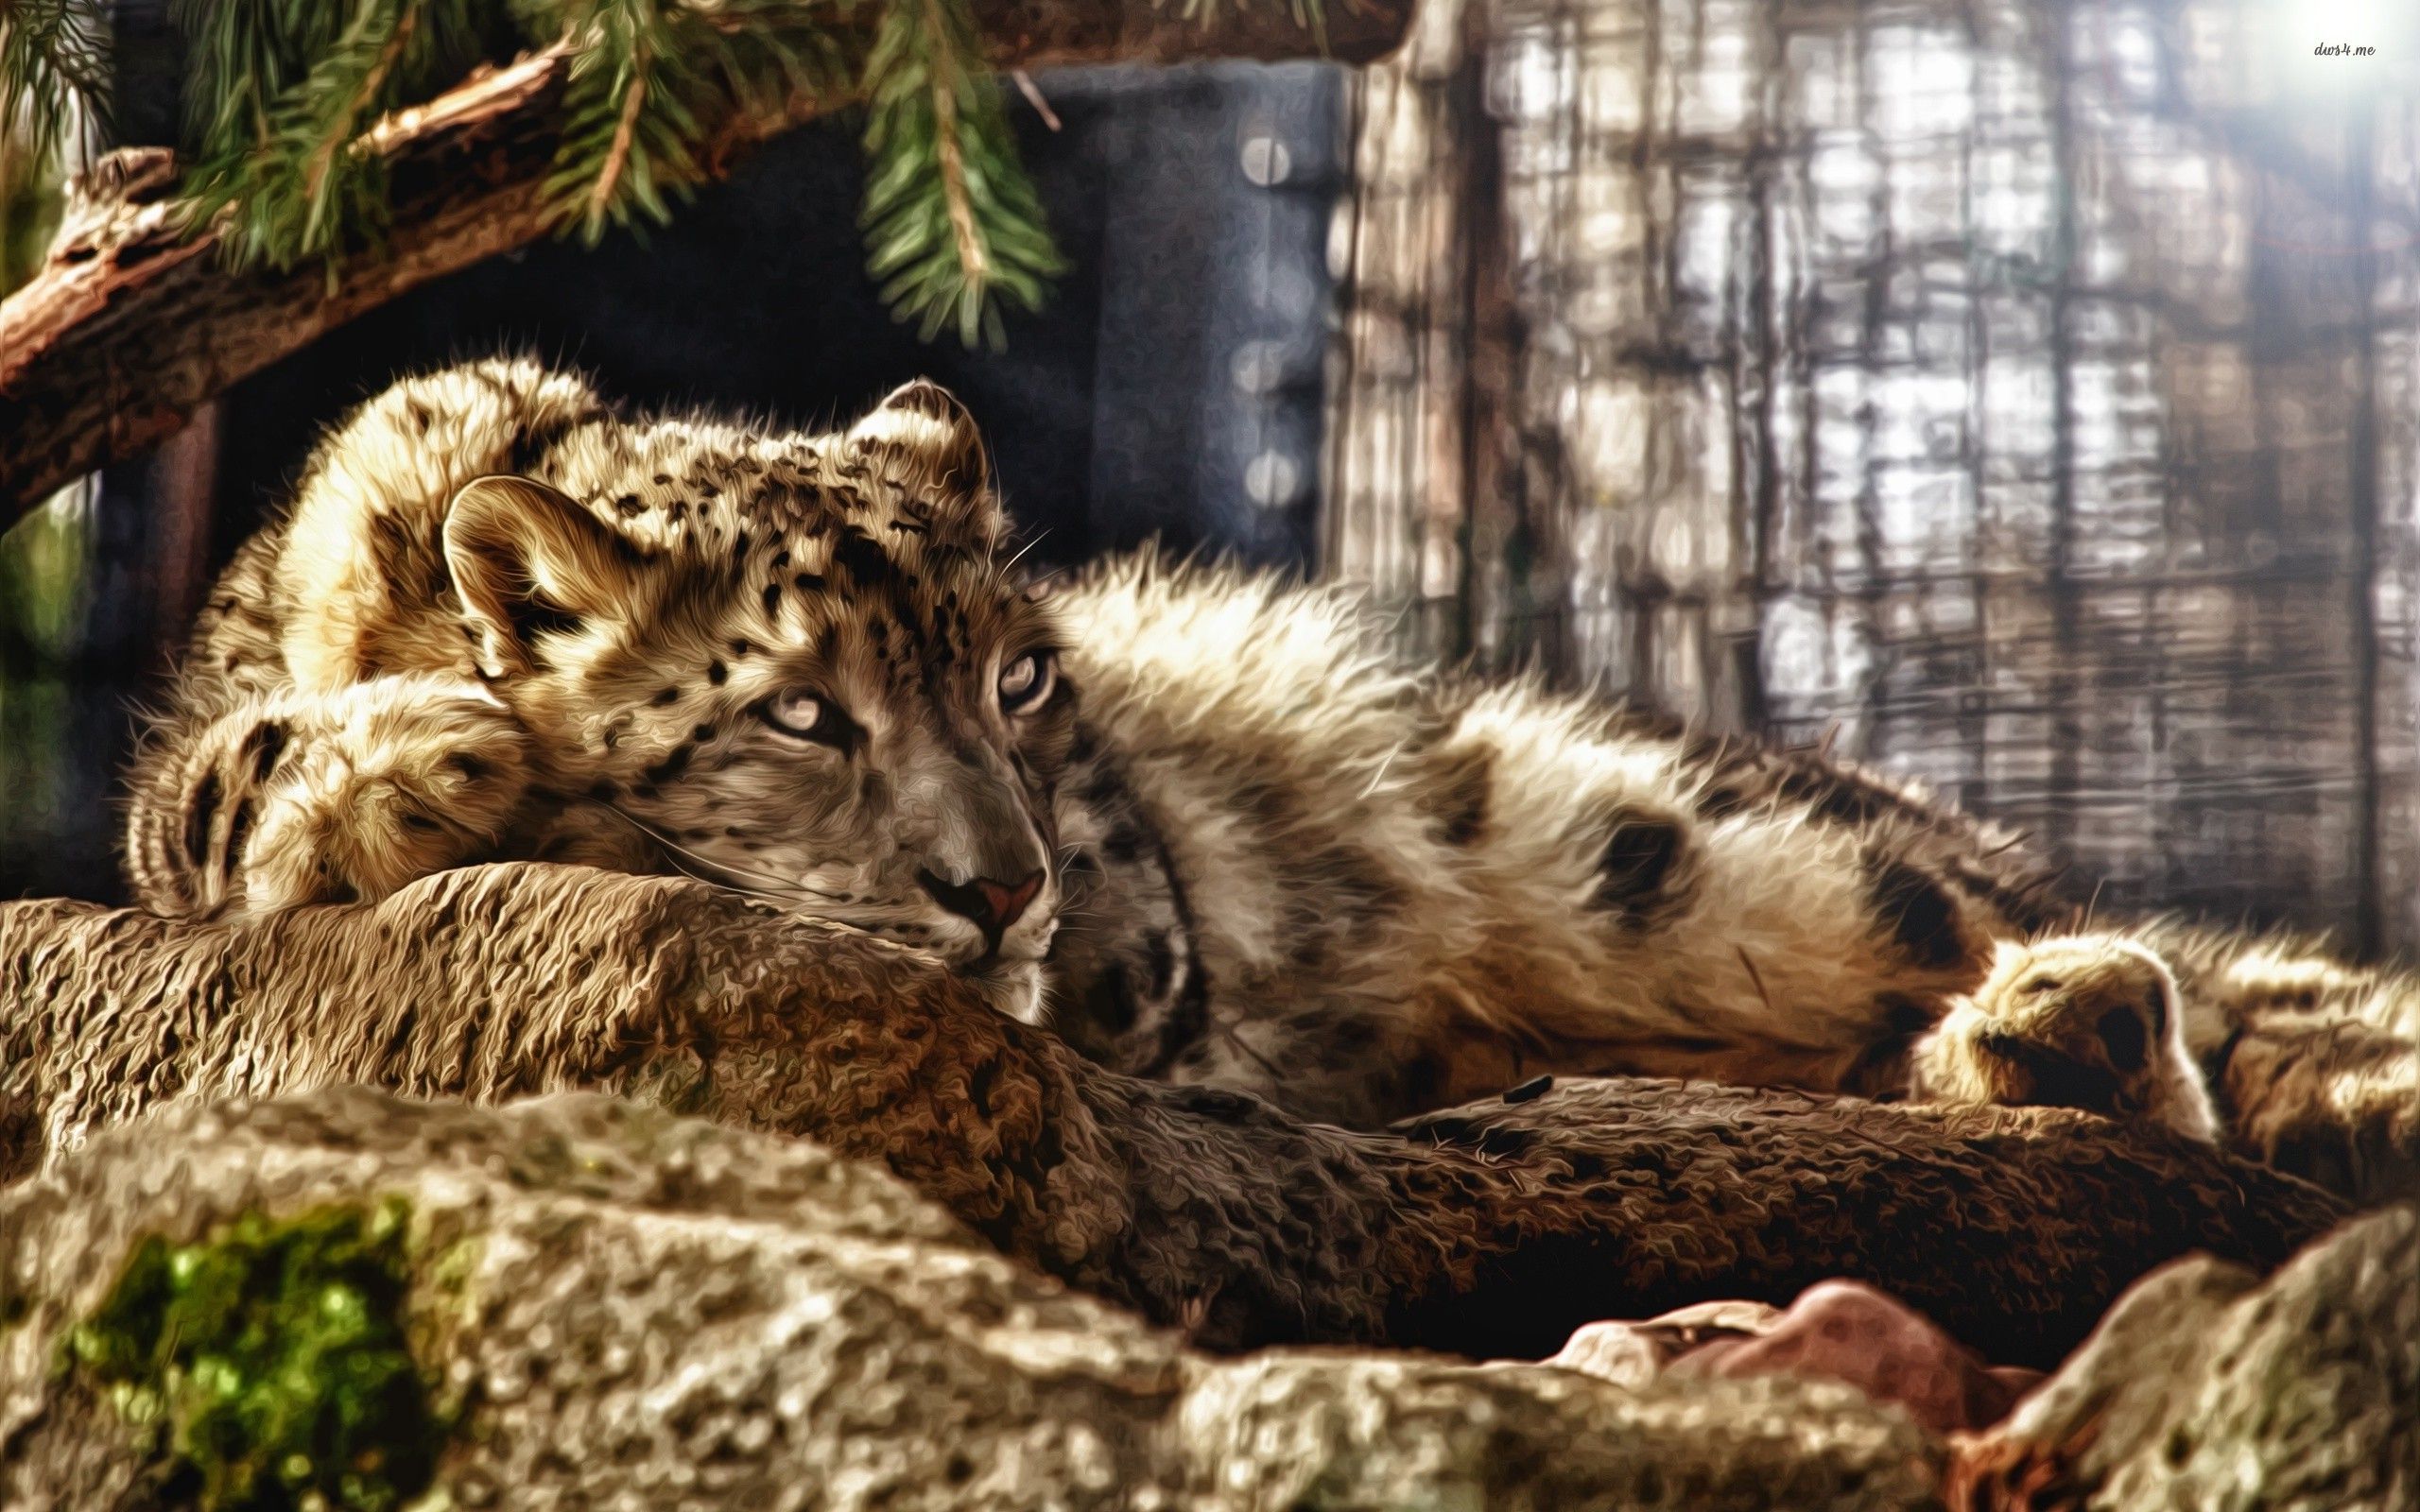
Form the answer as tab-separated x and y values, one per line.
796	665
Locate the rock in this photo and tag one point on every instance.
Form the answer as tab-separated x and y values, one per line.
2206	1388
1842	1331
578	1301
1493	1230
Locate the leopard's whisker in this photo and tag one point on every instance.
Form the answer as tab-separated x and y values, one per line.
784	890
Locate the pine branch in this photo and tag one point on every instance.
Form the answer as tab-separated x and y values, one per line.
54	72
651	79
280	91
280	151
132	321
955	224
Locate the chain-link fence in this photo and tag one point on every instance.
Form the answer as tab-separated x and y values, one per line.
2027	389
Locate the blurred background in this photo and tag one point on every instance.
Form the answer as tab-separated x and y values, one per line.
2022	394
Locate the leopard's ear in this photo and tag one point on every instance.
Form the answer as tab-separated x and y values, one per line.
531	561
921	426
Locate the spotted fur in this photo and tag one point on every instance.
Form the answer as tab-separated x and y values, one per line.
504	621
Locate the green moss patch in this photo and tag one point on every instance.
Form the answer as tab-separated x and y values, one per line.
271	1363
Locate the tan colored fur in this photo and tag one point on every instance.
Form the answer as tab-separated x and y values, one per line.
1412	876
2093	1022
501	621
1269	855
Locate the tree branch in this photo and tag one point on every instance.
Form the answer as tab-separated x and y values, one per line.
1493	1230
131	325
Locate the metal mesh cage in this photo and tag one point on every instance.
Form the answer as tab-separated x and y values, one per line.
2024	389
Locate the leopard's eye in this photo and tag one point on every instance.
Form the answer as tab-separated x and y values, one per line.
1028	680
804	714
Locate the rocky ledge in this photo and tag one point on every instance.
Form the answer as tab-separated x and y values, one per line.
348	1299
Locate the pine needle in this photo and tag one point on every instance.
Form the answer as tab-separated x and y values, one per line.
282	96
54	73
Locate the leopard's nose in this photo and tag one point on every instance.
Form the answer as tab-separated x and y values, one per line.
992	906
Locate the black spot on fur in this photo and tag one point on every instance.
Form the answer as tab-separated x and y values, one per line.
809	582
702	733
472	767
198	819
670	767
533	614
665	696
1920	915
531	444
629	506
603	790
265	743
863	559
2122	1032
742	647
1636	862
781	559
772	598
239	828
739	546
717	673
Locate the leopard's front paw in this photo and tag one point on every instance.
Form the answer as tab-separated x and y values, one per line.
398	778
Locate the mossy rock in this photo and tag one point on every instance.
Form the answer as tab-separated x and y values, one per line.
271	1363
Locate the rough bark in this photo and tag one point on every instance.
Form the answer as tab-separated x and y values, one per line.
131	325
1493	1230
2206	1388
605	1306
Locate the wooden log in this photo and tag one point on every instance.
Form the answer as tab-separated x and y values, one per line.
131	324
1491	1230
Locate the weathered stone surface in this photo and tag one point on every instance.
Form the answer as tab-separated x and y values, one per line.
605	1305
1488	1230
2207	1388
